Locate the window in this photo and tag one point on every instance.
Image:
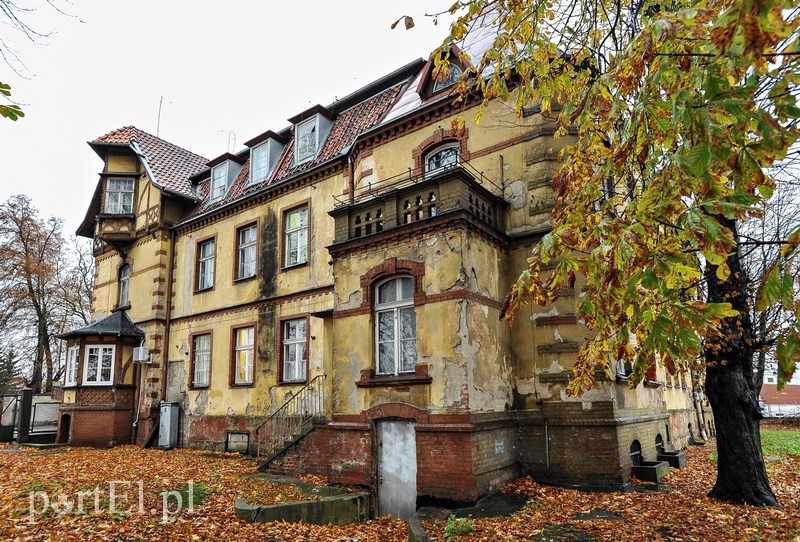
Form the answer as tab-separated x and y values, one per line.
201	360
296	247
124	285
294	351
98	367
259	163
71	370
119	196
441	158
306	140
243	355
246	252
446	79
219	182
395	327
205	265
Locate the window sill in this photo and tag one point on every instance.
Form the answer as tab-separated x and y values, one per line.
294	266
98	384
419	377
652	384
293	382
241	384
198	388
237	280
204	290
122	308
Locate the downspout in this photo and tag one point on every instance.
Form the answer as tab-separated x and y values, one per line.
168	314
140	387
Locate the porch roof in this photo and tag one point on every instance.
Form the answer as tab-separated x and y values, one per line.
117	323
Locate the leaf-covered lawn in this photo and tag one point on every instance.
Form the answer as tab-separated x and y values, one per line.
682	513
216	481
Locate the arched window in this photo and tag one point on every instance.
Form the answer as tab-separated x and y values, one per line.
124	285
441	157
395	327
446	79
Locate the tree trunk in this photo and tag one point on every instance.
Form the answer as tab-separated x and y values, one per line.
730	387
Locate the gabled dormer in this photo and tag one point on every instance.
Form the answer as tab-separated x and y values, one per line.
224	170
265	149
311	127
437	80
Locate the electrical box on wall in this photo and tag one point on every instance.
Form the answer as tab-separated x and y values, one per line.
168	426
141	354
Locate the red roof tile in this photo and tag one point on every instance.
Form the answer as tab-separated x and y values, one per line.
344	131
171	165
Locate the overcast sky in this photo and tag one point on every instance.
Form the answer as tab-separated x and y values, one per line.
225	70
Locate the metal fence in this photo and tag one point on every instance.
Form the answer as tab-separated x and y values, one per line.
9	405
44	416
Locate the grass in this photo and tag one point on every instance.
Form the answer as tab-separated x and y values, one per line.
776	442
780	442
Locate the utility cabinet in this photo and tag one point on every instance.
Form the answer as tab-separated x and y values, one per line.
168	425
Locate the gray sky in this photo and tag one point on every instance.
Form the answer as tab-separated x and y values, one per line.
221	67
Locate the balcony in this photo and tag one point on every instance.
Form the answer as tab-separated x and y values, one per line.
115	228
406	200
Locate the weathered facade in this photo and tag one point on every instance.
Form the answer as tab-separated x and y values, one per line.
353	265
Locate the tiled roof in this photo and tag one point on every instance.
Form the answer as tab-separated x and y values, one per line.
344	131
118	323
171	165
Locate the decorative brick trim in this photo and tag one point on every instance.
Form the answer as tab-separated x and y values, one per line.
439	137
370	380
563	319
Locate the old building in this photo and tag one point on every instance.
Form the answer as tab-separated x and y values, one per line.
329	298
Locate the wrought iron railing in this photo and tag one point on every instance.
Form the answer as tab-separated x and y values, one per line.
293	420
408	178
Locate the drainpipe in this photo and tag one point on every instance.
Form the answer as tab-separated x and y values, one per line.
168	315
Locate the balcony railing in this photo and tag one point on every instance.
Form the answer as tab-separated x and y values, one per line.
406	199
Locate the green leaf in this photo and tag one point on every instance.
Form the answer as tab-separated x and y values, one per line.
769	291
697	160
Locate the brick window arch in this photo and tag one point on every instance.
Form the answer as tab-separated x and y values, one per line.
440	138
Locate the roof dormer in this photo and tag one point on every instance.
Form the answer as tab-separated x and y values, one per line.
438	80
224	171
265	149
311	127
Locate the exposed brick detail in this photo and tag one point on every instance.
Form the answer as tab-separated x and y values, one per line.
563	319
440	136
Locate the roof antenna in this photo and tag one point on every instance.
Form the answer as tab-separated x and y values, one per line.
158	122
231	140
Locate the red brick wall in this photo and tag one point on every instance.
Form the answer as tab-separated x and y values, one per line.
789	395
98	427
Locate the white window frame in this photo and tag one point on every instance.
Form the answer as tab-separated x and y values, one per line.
395	309
71	369
197	369
301	137
119	206
246	265
219	182
87	362
205	265
439	150
248	349
124	285
300	233
298	344
255	156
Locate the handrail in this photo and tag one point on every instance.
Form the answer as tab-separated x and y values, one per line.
407	178
292	417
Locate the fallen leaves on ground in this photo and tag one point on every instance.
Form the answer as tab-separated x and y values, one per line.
681	513
59	477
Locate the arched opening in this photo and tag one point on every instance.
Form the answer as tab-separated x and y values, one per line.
636	453
659	444
64	428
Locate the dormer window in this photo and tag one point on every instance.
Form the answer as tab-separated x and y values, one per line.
219	181
119	196
311	127
265	150
307	140
224	171
446	78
